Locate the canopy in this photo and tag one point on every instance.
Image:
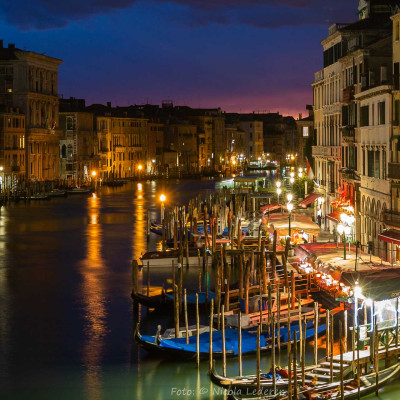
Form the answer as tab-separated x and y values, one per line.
309	199
334	217
390	236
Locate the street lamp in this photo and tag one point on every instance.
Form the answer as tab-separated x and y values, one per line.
94	173
278	192
289	197
289	207
162	199
140	167
344	229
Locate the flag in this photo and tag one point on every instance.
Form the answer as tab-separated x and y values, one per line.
310	173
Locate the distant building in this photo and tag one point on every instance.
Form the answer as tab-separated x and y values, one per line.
305	137
12	147
79	155
254	143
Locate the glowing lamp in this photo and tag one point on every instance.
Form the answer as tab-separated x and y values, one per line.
163	198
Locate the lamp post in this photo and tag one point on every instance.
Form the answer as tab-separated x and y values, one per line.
162	199
140	167
344	229
289	207
94	174
278	192
278	189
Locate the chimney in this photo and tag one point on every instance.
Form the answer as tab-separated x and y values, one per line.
1	43
11	46
109	104
300	116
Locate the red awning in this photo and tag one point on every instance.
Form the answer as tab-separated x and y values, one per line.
390	236
309	199
334	217
270	207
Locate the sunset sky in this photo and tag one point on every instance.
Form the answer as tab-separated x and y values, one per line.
240	55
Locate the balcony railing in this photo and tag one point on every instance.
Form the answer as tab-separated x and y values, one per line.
348	131
394	171
348	94
319	75
392	218
326	151
350	174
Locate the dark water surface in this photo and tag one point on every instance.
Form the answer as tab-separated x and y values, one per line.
65	310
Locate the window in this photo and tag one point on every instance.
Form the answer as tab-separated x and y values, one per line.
305	131
384	164
396	112
371	163
381	113
397	31
377	164
364	116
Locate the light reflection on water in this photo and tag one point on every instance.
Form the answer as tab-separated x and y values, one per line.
65	308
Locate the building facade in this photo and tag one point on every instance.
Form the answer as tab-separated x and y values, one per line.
30	82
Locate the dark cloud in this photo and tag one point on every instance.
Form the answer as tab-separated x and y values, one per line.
48	14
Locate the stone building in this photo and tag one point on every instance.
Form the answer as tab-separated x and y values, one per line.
305	136
254	142
79	155
29	81
182	138
352	110
155	147
129	146
12	147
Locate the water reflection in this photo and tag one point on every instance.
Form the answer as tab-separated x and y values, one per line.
94	298
4	298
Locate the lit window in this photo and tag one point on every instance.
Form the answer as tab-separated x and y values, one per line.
9	90
305	131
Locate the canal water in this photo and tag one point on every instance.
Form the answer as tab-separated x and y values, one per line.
66	316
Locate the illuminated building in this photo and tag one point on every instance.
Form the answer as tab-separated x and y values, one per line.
29	81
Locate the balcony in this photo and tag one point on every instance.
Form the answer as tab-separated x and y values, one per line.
394	171
15	168
319	151
319	75
350	175
348	94
348	134
392	218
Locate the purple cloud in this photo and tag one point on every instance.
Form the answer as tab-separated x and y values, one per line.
50	14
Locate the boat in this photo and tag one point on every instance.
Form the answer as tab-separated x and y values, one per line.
78	190
166	299
252	318
181	348
36	197
200	240
165	258
156	228
57	193
368	385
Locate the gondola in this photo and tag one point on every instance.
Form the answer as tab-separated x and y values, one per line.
172	347
165	300
332	390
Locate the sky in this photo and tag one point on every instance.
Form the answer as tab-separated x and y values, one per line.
240	55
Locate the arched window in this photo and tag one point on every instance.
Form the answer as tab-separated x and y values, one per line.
64	151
